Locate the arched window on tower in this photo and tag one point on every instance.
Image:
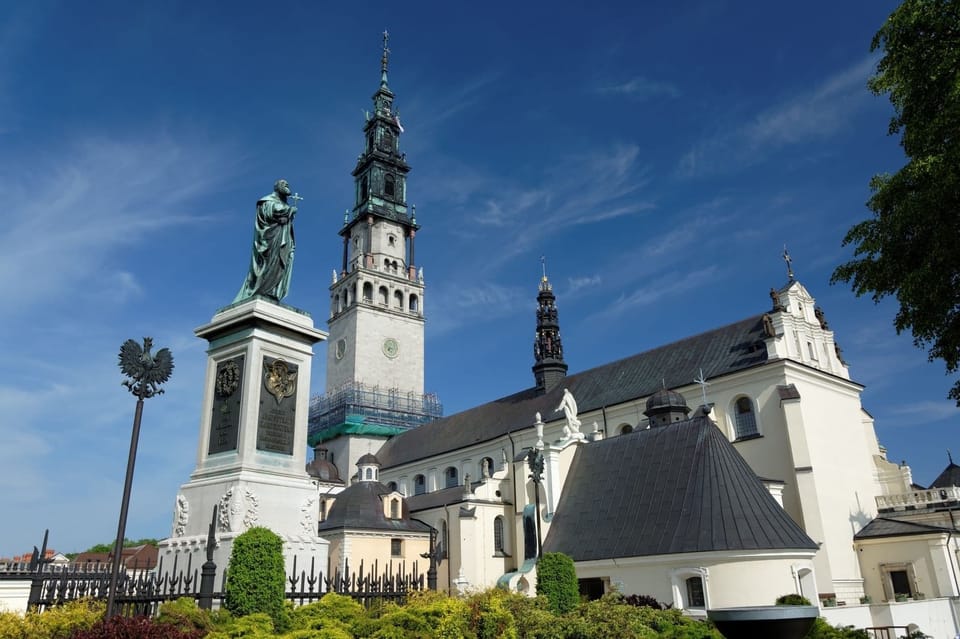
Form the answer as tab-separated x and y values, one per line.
383	293
451	477
367	292
364	188
419	485
398	299
745	419
414	304
389	185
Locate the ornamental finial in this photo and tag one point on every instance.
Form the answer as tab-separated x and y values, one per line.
543	264
789	262
384	59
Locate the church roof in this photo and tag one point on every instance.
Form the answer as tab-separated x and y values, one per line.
674	489
718	352
949	477
887	527
359	506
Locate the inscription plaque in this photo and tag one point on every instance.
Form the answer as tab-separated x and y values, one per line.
227	394
278	406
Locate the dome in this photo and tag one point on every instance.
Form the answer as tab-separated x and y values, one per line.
665	398
369	458
322	468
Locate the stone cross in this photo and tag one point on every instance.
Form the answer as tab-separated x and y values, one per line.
789	261
702	381
296	199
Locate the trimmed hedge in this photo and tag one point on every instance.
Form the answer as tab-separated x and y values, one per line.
255	577
557	581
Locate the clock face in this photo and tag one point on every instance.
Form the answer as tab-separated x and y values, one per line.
391	348
341	348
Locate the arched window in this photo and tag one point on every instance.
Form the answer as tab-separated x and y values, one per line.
323	510
414	304
389	186
498	546
394	266
369	473
367	292
364	188
486	467
695	598
386	265
383	293
392	485
398	299
745	419
451	478
394	509
626	429
419	485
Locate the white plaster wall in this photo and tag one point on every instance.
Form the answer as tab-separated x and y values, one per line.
937	618
933	560
14	596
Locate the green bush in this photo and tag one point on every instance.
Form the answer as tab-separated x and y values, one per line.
184	614
58	622
330	608
533	616
489	617
255	577
557	581
823	630
792	600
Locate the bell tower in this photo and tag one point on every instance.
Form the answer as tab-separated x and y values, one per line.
375	349
549	369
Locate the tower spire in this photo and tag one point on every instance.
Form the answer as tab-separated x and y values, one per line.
549	369
384	59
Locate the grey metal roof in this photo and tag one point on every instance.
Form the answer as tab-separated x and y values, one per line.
718	352
949	477
888	527
359	507
788	391
671	489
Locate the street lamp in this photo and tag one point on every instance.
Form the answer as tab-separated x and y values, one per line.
535	462
145	372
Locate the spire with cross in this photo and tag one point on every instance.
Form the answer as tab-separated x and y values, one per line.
702	381
384	59
789	262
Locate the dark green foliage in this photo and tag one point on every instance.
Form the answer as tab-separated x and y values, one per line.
557	581
127	543
255	577
136	628
823	630
908	248
792	599
644	600
490	618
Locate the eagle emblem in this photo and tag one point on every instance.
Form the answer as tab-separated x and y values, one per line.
279	380
145	370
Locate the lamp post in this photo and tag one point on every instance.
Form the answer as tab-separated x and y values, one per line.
145	372
535	462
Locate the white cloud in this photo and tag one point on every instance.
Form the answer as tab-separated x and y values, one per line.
815	114
575	284
657	291
641	88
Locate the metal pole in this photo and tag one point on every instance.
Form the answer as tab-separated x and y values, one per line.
124	505
536	490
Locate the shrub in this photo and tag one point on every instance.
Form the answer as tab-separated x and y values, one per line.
184	614
255	578
557	581
792	600
135	628
331	607
489	617
823	630
256	626
533	617
58	622
644	600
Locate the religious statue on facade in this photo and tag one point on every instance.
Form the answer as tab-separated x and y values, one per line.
271	261
569	407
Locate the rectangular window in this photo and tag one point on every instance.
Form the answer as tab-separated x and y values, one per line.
396	547
695	597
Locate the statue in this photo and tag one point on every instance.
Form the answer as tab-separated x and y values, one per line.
271	262
569	407
777	305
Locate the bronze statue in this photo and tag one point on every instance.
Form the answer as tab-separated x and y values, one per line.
271	262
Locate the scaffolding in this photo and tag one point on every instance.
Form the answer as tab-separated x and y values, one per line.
357	404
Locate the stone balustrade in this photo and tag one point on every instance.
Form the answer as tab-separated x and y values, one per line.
918	499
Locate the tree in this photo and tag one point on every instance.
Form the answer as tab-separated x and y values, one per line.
909	247
557	581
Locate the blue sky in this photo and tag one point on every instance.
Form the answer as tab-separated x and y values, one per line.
659	156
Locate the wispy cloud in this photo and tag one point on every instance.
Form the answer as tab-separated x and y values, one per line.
680	282
815	114
640	88
480	302
98	194
576	284
932	411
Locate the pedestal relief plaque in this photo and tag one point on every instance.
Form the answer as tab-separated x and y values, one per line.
278	406
225	420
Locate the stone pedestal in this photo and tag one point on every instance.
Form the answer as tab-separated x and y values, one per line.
253	438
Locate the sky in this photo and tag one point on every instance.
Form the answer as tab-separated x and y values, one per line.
659	155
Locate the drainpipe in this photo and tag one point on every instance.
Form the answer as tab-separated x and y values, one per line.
603	411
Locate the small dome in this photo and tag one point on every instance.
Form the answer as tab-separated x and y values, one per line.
321	467
369	458
665	398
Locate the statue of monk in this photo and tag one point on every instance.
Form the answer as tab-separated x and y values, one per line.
271	262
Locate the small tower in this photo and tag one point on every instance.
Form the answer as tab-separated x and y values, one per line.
368	468
549	369
665	407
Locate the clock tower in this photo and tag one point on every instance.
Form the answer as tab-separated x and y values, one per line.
375	349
